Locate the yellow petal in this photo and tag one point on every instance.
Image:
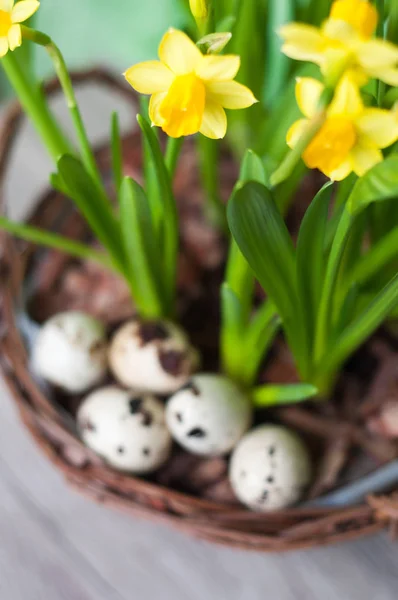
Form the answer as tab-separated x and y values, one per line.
154	108
341	172
179	53
377	54
339	31
388	75
308	92
302	42
218	68
214	123
15	36
149	77
23	10
3	46
6	5
347	99
378	127
364	158
295	132
230	94
335	62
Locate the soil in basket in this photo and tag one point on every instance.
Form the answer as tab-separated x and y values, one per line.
347	435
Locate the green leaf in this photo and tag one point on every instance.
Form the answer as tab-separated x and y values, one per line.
152	185
226	24
54	240
363	326
344	189
231	333
173	149
237	292
141	250
274	395
240	278
252	168
311	257
377	258
325	312
116	151
239	275
378	184
347	309
164	211
318	11
57	183
350	256
279	13
264	240
259	336
93	205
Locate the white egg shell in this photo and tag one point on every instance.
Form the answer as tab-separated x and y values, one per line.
128	431
270	468
70	351
209	415
152	356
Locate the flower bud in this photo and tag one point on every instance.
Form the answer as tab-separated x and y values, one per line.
215	42
199	9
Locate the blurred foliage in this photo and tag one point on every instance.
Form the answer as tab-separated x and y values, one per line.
93	32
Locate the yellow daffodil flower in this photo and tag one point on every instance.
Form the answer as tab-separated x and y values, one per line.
189	91
344	40
352	135
10	16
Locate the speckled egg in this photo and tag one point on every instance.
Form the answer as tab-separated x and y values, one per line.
128	431
208	415
70	351
152	356
270	468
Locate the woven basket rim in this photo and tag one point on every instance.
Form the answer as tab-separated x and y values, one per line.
239	528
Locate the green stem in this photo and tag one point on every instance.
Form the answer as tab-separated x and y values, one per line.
173	150
36	108
62	72
392	25
325	383
381	86
293	157
208	157
376	259
117	152
362	327
53	240
325	306
209	26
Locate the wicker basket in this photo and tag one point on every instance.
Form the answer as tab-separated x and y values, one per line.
55	435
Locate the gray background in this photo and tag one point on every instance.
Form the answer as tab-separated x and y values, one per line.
55	545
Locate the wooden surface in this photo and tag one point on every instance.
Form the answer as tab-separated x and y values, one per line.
55	545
